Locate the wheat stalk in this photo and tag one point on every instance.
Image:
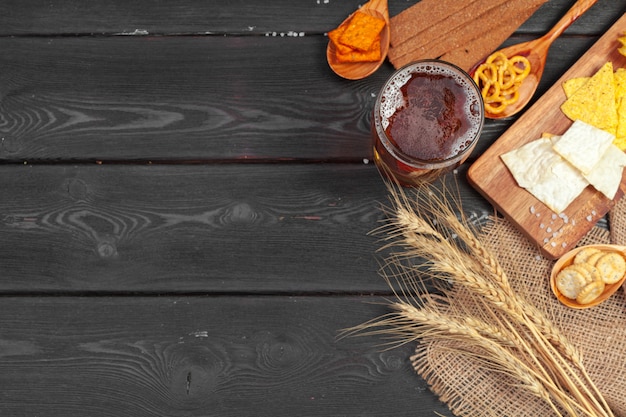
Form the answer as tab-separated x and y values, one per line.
514	336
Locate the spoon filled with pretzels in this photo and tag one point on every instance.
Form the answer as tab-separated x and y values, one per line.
509	77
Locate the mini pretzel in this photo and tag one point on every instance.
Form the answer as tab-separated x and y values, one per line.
499	79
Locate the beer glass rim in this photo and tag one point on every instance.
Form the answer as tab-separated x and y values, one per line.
417	162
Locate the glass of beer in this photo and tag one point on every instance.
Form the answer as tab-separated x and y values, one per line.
427	119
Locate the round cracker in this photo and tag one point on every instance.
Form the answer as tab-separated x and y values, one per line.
590	292
569	281
584	254
594	257
612	267
588	271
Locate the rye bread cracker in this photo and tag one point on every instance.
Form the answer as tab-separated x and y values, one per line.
463	36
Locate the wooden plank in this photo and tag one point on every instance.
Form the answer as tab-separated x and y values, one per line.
27	17
225	98
120	99
222	228
189	228
198	356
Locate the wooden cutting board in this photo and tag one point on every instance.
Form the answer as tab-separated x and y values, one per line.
554	234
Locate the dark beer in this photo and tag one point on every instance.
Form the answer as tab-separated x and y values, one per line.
427	119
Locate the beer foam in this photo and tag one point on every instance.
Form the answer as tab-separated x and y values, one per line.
392	98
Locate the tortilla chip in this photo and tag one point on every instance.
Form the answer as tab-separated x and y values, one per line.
620	136
620	102
620	84
573	84
594	102
362	31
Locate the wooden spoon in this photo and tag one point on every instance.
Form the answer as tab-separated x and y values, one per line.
359	70
536	51
567	259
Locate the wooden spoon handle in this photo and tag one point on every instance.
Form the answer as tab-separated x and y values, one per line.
577	10
380	6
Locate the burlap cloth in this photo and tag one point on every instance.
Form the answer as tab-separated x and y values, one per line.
599	333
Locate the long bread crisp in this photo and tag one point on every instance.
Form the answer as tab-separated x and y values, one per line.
460	35
422	17
432	42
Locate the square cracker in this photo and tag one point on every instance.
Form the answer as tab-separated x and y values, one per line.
583	145
536	167
607	175
361	31
354	55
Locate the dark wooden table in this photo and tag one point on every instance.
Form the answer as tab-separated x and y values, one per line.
186	196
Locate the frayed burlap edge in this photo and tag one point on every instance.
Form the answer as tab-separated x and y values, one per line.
599	333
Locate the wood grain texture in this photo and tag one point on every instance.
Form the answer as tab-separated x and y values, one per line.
75	17
206	267
193	99
554	234
178	98
199	356
177	229
190	228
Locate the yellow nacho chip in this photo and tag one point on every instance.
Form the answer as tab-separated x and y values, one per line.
620	136
622	41
620	102
594	102
573	84
361	31
620	83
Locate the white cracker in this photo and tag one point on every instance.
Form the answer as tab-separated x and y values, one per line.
606	176
540	170
583	145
